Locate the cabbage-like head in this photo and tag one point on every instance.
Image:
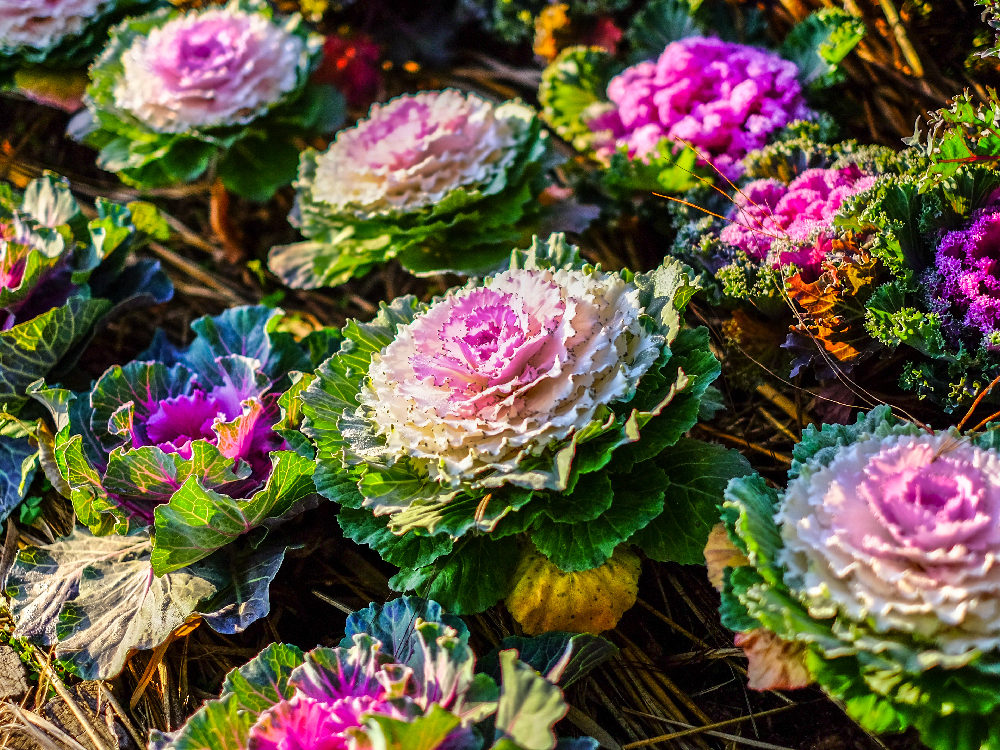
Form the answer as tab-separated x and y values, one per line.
403	677
791	224
964	282
880	558
722	98
58	33
528	403
443	180
181	442
193	83
209	68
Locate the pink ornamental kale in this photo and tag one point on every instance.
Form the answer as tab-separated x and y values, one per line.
724	99
403	677
209	68
792	219
902	533
488	375
964	284
199	421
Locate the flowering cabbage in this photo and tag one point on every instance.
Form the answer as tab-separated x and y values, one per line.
794	219
879	559
175	94
192	444
60	275
401	678
723	99
964	284
58	33
932	235
547	402
441	180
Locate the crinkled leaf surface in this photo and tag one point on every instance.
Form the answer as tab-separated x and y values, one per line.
197	521
98	597
474	576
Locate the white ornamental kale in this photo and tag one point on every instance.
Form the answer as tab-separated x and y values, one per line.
43	24
903	533
209	68
439	180
489	375
410	153
876	572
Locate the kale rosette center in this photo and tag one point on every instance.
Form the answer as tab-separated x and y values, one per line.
489	375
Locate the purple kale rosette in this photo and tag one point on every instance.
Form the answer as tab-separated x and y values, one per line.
191	443
963	286
403	677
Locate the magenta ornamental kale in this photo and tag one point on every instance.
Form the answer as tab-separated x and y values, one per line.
793	219
724	99
190	444
403	677
964	284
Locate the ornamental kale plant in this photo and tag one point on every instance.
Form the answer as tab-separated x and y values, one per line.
721	96
177	94
192	443
543	407
172	462
440	180
60	276
403	677
56	33
873	574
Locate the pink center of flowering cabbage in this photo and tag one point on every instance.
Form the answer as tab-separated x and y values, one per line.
178	421
307	724
767	211
927	503
484	349
205	56
410	130
724	99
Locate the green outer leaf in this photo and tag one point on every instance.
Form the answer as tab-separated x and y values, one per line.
407	550
638	499
218	725
30	349
473	577
573	87
263	681
529	705
426	732
697	475
198	521
819	42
